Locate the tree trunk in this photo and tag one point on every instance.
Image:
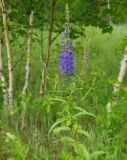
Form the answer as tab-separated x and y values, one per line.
27	67
123	67
109	15
2	78
6	33
29	42
1	65
122	71
45	64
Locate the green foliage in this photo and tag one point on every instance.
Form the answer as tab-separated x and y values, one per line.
67	130
13	147
74	120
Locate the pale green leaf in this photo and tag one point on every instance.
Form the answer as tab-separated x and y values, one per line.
55	124
61	129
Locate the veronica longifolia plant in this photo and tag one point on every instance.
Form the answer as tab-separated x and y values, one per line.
66	59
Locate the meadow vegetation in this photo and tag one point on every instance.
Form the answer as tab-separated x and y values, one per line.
77	118
63	101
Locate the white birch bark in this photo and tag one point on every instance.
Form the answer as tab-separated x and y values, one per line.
29	41
2	78
27	67
109	7
6	34
121	75
1	65
123	67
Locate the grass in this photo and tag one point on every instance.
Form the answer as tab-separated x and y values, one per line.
71	122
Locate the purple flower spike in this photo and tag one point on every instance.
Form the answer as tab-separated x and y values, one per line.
66	59
66	62
69	44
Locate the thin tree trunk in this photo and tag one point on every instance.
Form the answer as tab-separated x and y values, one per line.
122	71
45	64
6	33
109	16
1	65
2	78
27	67
29	42
123	67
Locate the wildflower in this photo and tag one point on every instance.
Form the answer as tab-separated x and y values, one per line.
66	59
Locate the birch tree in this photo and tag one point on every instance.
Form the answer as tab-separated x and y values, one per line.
122	72
9	60
27	67
28	53
123	66
109	8
2	78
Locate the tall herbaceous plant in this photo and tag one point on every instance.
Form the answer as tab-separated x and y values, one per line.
66	59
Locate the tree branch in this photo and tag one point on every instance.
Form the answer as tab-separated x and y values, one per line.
45	65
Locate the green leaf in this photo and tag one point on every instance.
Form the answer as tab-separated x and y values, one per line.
68	139
55	124
96	154
61	129
83	133
83	112
81	151
58	99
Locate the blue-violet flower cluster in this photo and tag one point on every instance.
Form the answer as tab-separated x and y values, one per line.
66	58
